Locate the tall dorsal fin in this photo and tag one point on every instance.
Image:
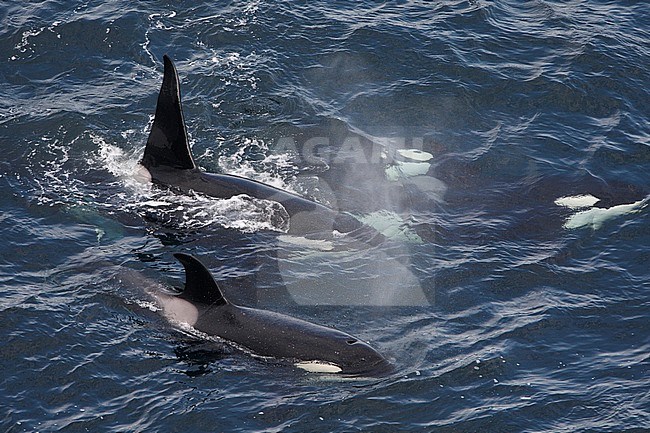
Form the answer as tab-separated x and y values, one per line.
199	284
167	143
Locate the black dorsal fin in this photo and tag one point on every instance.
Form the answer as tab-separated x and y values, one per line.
167	144
200	286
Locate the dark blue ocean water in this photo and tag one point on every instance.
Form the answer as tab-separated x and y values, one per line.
453	126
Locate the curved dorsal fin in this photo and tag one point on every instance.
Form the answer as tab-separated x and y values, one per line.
199	284
167	144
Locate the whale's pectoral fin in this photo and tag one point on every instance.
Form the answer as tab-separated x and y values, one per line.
167	144
200	286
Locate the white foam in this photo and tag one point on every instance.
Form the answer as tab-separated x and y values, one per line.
237	164
148	305
190	211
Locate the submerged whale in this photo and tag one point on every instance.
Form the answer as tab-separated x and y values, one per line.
168	162
265	333
588	215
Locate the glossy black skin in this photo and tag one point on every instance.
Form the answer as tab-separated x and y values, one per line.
270	334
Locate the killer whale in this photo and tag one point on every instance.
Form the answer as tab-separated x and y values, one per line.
265	333
168	162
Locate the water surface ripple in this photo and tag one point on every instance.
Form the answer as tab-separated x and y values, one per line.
498	316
